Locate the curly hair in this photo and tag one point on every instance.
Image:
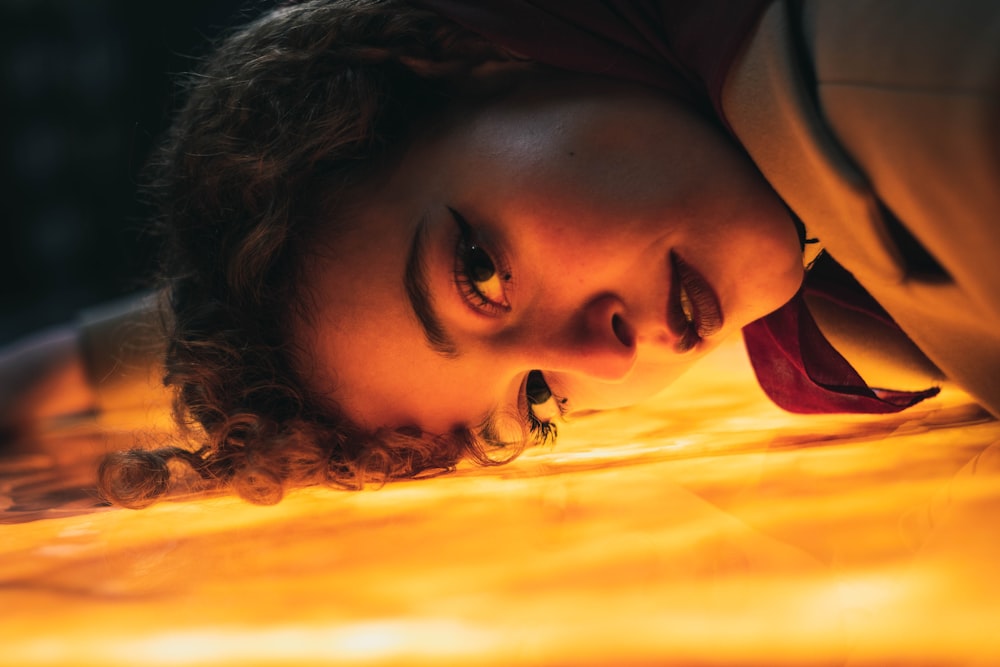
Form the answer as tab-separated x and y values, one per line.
314	97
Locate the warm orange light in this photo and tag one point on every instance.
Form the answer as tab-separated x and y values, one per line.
704	527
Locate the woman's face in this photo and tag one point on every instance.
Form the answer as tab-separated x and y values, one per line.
594	231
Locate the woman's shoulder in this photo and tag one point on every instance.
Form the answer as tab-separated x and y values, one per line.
894	168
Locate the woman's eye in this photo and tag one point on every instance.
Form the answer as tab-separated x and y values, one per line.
483	275
536	389
476	274
543	408
543	405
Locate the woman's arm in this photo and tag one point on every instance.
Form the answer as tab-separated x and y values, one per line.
43	378
106	369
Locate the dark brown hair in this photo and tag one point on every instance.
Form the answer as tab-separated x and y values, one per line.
288	117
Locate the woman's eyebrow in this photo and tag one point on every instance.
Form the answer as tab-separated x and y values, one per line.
415	281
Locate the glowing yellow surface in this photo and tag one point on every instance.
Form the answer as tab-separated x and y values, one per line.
704	528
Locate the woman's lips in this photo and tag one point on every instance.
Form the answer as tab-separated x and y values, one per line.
693	310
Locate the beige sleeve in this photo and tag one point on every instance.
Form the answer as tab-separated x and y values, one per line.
894	111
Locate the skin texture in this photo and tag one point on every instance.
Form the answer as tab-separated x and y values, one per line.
578	189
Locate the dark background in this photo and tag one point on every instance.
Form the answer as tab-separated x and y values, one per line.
86	89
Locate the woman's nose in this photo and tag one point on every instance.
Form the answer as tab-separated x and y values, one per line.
597	340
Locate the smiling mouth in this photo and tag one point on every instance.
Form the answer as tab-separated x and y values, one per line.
693	310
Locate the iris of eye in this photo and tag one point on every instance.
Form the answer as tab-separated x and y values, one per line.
479	265
536	389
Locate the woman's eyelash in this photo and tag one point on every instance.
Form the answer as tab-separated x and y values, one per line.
537	392
477	277
541	432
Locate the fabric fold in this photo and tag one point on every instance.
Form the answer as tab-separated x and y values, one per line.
802	372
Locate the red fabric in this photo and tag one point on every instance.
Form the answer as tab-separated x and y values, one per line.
796	365
685	47
801	372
